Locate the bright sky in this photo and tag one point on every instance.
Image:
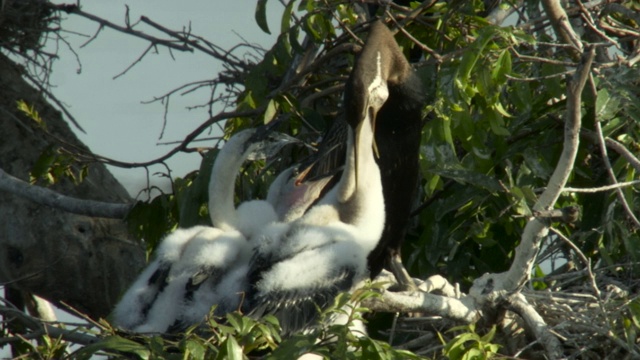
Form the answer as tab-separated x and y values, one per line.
118	126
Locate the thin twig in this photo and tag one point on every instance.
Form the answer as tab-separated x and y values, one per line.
615	146
73	9
437	57
136	61
583	258
55	100
602	188
607	163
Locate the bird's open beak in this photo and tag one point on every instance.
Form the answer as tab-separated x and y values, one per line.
373	129
302	175
369	115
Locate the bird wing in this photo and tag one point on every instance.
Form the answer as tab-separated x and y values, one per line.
293	282
297	309
208	275
133	308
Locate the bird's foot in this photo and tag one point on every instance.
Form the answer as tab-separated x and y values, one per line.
405	282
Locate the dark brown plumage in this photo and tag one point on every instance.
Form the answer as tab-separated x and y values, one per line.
398	134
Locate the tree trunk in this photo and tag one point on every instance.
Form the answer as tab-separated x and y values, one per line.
83	261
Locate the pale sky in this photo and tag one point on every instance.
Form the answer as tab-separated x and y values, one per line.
118	126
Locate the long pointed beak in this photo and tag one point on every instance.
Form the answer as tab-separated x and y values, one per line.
374	117
355	151
302	175
369	115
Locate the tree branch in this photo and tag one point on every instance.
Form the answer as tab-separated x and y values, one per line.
562	26
535	230
518	304
602	188
53	199
615	146
40	328
463	310
74	9
183	144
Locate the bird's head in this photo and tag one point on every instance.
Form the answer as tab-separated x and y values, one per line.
380	64
264	143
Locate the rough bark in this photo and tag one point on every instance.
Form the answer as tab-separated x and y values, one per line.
83	261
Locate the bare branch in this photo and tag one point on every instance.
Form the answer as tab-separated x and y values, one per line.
624	152
137	61
226	57
463	310
437	57
560	22
74	9
51	198
518	304
535	229
615	146
183	146
571	133
602	188
40	328
583	258
500	13
48	93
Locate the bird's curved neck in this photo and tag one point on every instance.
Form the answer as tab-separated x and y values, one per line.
222	184
359	192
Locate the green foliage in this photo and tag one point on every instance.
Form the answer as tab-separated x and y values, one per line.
631	324
231	337
338	341
47	348
236	336
469	345
31	113
54	162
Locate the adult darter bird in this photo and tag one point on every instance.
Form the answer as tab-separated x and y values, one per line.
398	135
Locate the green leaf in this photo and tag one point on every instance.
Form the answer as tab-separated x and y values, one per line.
502	67
270	112
473	354
490	335
607	106
634	309
41	167
295	346
468	176
32	113
114	343
313	27
286	17
261	16
233	349
194	349
538	273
